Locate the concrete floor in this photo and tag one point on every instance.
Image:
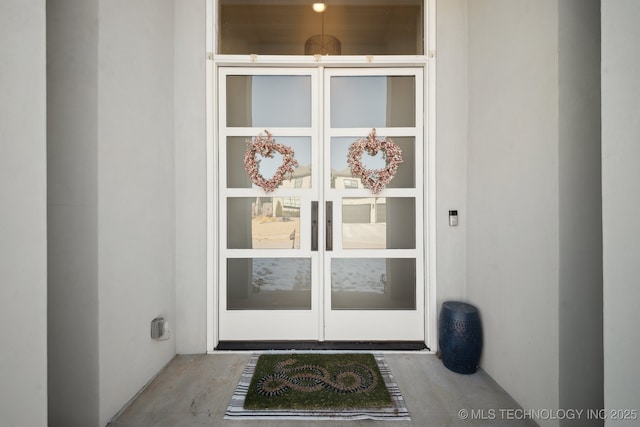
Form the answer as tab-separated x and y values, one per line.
195	391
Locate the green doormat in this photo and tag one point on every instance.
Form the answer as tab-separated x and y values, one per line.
312	381
317	386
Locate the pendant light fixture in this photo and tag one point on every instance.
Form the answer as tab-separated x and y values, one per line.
322	44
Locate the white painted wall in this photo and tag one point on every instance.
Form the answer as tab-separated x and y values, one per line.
112	202
72	155
136	220
621	203
513	241
451	150
23	226
534	243
191	172
580	205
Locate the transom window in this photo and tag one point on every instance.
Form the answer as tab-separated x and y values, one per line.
344	27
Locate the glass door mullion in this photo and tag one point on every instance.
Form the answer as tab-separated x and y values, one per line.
350	132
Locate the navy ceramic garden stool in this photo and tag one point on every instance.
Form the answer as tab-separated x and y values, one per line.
460	337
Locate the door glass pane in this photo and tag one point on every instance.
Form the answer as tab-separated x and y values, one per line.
373	101
285	27
237	176
373	283
263	223
269	284
341	176
268	101
378	223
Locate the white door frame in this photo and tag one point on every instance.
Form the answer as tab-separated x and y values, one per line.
321	320
428	61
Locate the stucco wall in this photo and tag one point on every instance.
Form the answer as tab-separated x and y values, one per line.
451	148
23	221
512	249
534	242
580	209
621	204
112	202
136	223
72	156
191	173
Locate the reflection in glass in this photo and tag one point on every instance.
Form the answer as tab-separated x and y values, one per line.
263	223
373	101
378	223
373	283
237	176
269	284
268	101
341	176
383	27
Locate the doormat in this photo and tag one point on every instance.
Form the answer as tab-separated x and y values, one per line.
313	386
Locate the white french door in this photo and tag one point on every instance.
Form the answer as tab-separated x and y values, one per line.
320	258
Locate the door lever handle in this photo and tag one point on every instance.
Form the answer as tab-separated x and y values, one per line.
329	216
314	226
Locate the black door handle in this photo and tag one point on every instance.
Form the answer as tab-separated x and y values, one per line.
329	216
314	226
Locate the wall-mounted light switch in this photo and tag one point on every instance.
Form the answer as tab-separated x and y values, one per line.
453	218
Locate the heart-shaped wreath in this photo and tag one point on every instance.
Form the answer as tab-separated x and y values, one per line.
374	179
266	146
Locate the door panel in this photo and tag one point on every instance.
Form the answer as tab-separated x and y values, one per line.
260	100
373	284
273	284
376	265
341	176
378	223
372	101
238	178
269	276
